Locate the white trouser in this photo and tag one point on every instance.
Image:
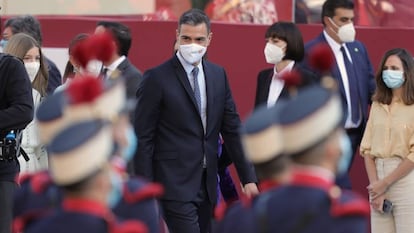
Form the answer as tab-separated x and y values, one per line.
401	194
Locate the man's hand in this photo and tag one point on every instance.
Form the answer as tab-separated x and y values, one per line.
250	189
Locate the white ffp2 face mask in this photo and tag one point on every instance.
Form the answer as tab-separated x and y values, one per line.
32	69
192	53
346	33
273	53
93	68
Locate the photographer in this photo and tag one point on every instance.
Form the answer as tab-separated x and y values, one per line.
16	111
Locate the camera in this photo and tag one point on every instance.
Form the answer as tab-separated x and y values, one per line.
8	147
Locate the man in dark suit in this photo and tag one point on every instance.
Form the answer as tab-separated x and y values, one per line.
119	61
352	69
183	105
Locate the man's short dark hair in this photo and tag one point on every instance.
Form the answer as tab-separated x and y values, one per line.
329	7
27	24
289	33
194	17
121	34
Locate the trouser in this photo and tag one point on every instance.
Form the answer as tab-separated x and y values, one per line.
401	219
6	205
189	217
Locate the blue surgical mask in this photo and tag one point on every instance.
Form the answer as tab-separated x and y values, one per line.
115	194
346	154
129	151
3	43
393	78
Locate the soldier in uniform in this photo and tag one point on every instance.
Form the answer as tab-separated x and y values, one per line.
79	156
310	202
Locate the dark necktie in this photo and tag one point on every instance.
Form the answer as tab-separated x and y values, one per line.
104	73
353	87
196	88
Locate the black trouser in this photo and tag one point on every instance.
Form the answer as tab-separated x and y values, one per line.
189	217
6	205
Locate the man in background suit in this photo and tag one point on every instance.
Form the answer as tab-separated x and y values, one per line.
183	105
352	69
119	64
119	61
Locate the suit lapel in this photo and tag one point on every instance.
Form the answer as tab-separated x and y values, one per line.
182	77
354	52
209	80
336	74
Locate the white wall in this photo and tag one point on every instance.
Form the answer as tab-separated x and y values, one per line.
57	55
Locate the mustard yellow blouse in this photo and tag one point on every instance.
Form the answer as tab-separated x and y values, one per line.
389	133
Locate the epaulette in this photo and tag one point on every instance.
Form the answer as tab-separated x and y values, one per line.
349	204
130	226
40	181
37	181
136	190
343	202
220	210
236	218
223	207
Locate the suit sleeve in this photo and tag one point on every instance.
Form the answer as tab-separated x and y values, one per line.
133	82
145	124
371	75
18	100
55	78
230	129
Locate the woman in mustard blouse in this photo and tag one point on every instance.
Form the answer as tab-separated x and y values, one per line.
388	144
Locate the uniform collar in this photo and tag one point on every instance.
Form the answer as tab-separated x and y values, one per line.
313	176
88	206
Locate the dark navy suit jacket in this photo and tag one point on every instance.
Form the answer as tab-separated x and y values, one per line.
264	80
363	71
171	138
133	78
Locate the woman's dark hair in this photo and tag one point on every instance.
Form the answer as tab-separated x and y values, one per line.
290	33
69	69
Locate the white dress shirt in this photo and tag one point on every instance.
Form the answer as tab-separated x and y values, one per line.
336	49
111	68
276	85
201	84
